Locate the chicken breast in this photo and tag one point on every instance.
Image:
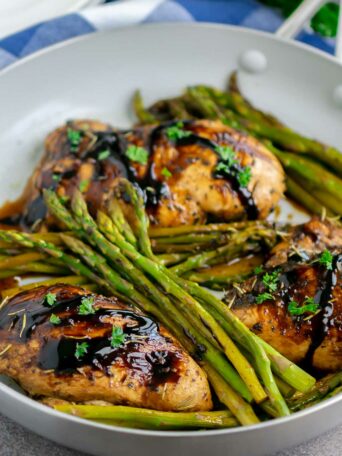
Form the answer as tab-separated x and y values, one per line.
297	306
189	173
64	342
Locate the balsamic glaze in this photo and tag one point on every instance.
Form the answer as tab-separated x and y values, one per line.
144	351
323	321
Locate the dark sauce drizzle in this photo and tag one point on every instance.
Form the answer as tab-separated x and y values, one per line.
58	350
322	322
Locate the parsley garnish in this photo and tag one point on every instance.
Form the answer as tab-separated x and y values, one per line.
227	155
165	172
244	176
326	259
118	337
86	307
309	305
176	132
258	269
83	185
56	177
137	154
55	320
103	155
74	137
50	298
64	199
81	349
270	280
264	297
221	166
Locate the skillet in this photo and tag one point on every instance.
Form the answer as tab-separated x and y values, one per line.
95	76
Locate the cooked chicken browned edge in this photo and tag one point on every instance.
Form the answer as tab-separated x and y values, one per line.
86	347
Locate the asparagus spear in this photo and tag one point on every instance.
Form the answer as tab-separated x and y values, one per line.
48	237
143	115
150	419
118	218
177	109
226	273
212	238
34	267
163	232
241	409
306	199
20	260
14	237
311	173
318	392
180	248
237	245
244	107
169	259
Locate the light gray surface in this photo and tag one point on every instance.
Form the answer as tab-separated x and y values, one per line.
15	440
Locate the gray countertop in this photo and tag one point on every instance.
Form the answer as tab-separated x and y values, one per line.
15	440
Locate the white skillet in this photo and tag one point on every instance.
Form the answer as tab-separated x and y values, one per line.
95	76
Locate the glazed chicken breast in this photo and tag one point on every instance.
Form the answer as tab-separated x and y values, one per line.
189	172
67	343
296	303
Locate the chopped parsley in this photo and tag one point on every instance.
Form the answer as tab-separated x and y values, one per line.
264	297
64	199
86	307
55	320
309	305
165	172
221	166
270	280
118	337
244	176
176	132
137	154
56	177
50	299
258	269
81	349
326	259
229	164
74	137
83	185
227	155
103	155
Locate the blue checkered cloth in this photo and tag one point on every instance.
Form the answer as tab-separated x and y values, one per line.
247	13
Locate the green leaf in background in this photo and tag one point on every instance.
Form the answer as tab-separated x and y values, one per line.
324	22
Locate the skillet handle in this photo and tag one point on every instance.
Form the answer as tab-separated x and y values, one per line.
301	15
